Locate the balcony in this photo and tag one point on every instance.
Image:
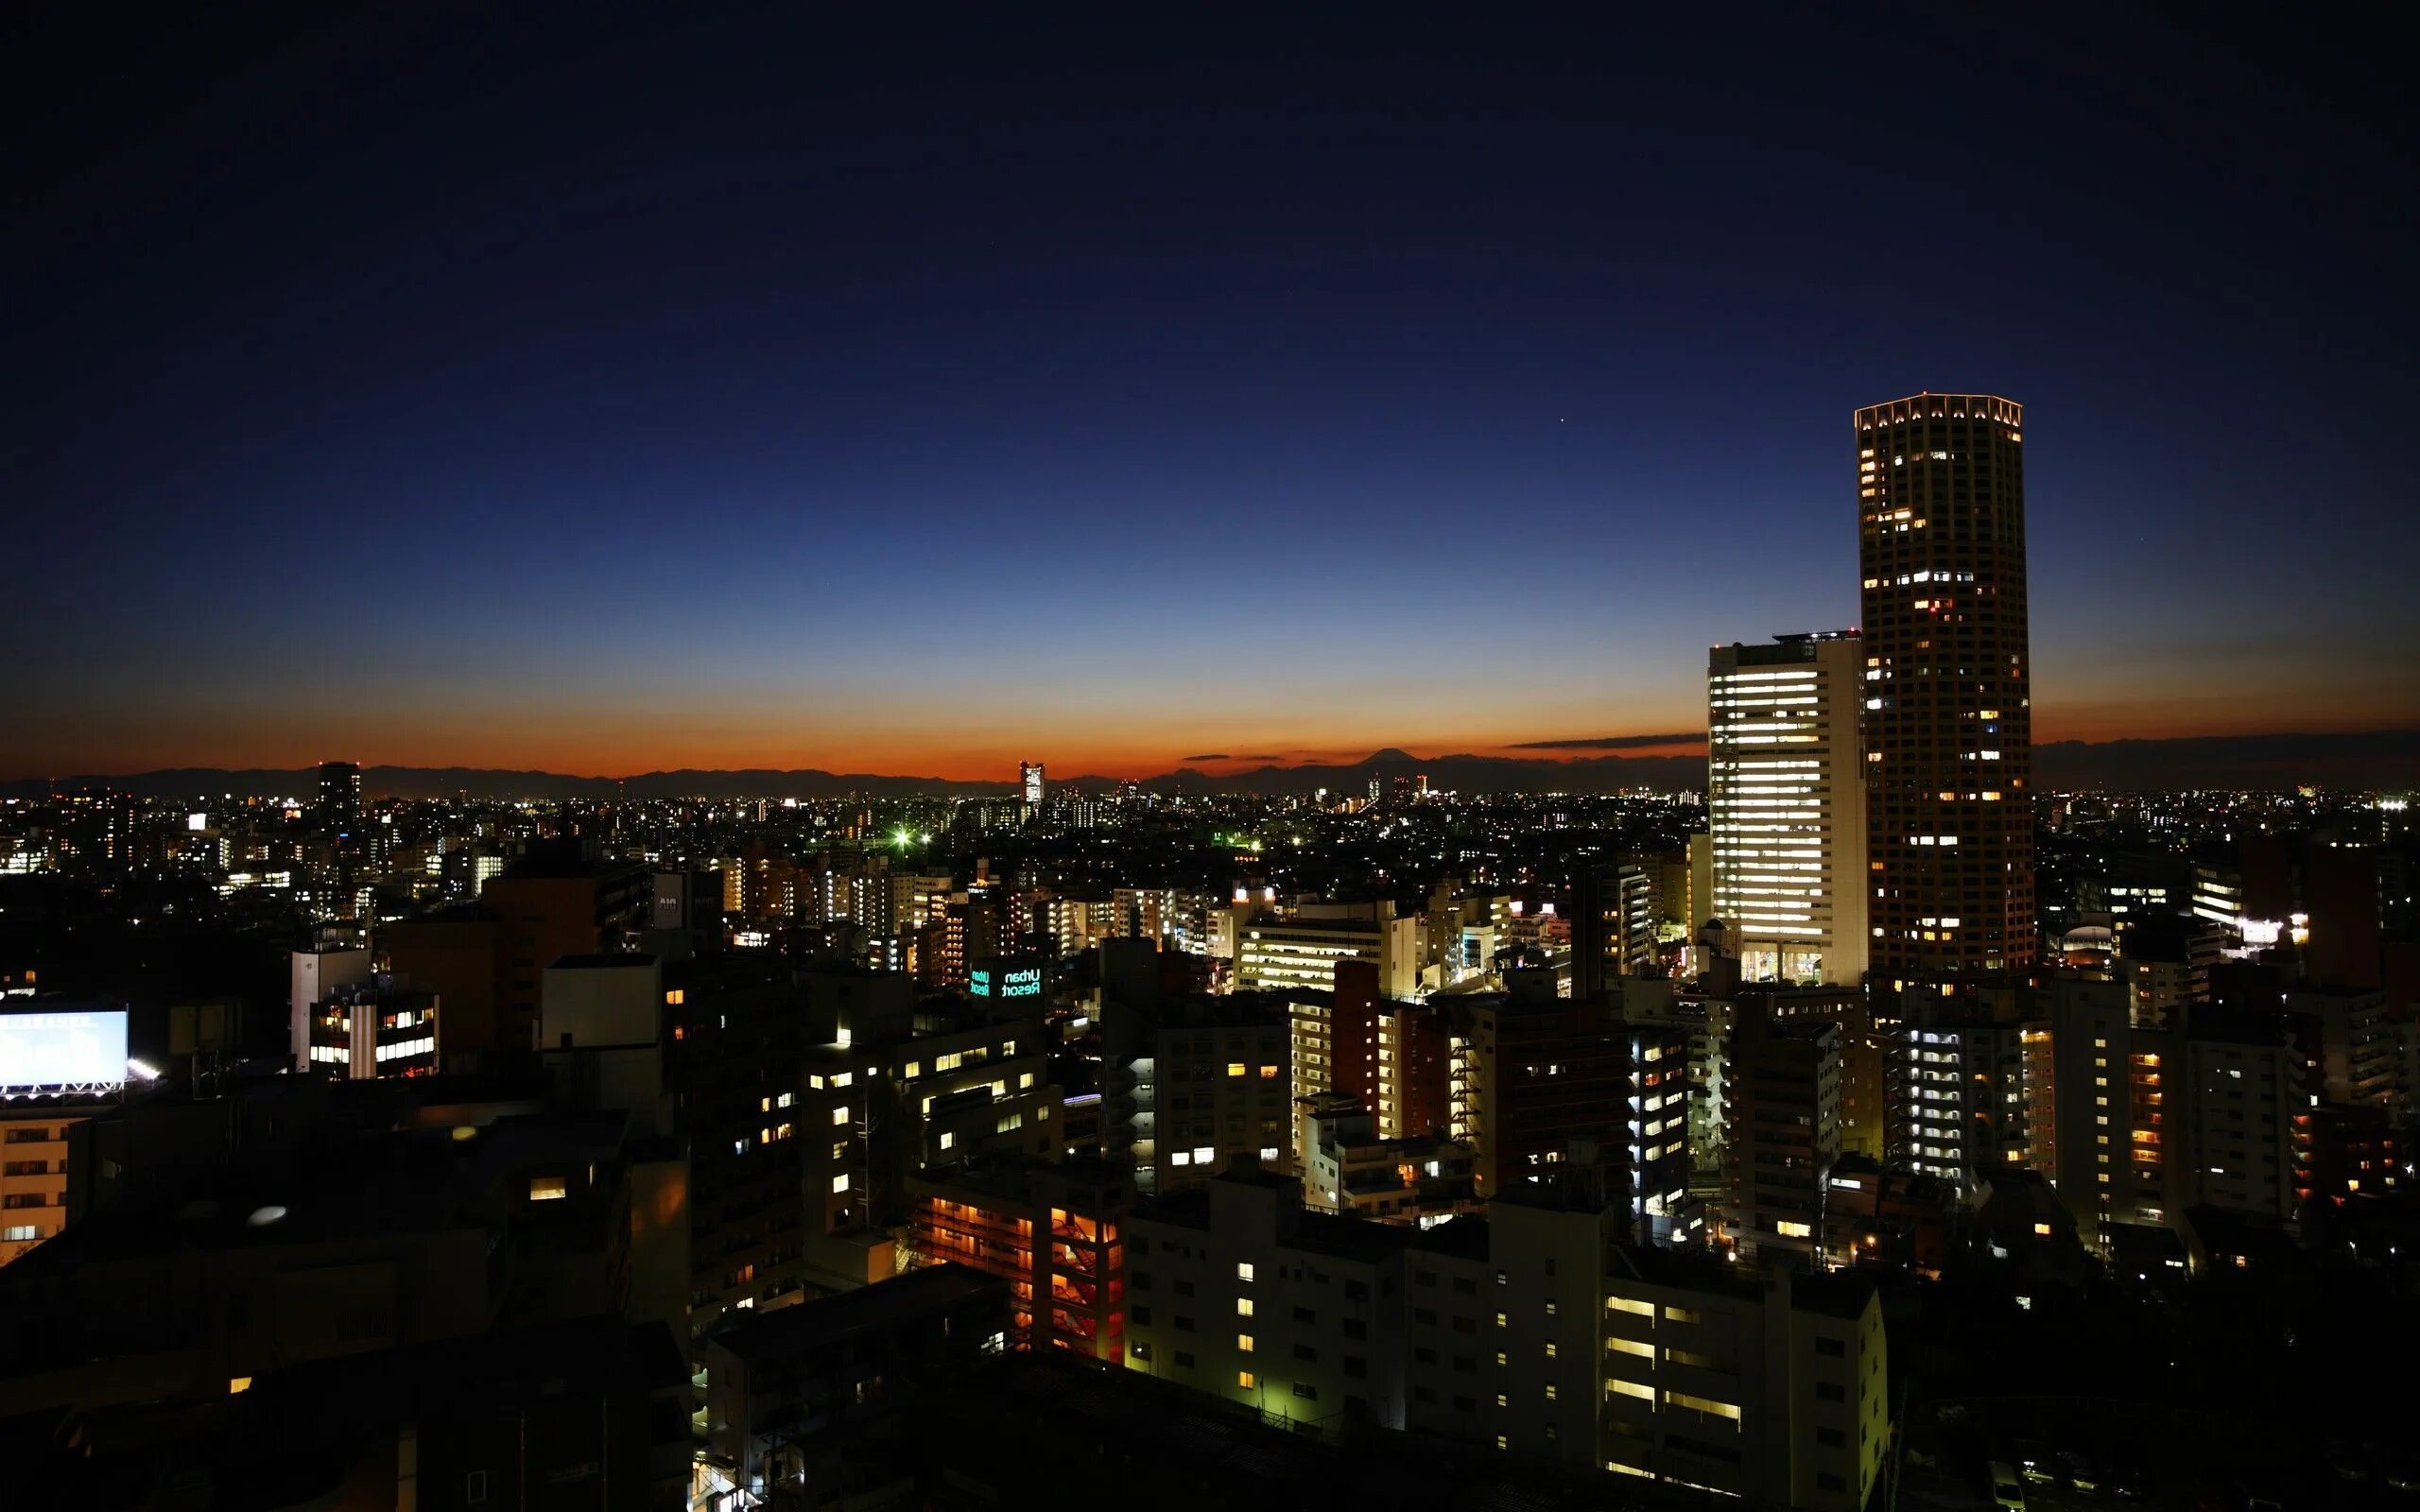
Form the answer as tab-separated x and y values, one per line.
958	1217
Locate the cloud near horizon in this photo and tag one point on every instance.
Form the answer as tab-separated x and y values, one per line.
1208	756
1694	737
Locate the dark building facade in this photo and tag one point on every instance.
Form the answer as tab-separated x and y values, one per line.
1949	722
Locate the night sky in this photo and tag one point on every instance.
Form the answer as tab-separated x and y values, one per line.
610	389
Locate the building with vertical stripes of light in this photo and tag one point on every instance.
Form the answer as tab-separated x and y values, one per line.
1786	806
1948	670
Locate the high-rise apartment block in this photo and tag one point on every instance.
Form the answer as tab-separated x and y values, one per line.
898	1082
1541	1086
1194	1081
1613	927
2113	1149
340	797
2247	1100
735	1026
1786	806
1785	1134
1051	1232
1954	1095
1030	783
1948	685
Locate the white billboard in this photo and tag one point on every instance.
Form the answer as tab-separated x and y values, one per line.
85	1048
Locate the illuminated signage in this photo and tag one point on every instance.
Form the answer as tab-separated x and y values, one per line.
62	1051
1023	982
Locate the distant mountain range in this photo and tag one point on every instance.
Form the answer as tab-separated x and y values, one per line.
2387	759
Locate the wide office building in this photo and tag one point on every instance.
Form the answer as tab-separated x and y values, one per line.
1786	805
1948	685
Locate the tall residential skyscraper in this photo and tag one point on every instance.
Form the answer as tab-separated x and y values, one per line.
340	795
1030	780
1948	717
1786	806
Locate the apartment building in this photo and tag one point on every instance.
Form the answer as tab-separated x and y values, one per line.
1053	1232
1235	1289
1784	1131
1193	1081
1954	1095
2247	1114
1348	1167
1771	1387
33	1167
894	1082
1534	1331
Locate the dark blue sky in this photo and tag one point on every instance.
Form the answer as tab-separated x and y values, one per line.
606	390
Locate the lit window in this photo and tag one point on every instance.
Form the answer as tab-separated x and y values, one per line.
1246	1379
238	1383
840	1182
1235	1068
840	1115
1243	1343
1243	1270
548	1188
1243	1307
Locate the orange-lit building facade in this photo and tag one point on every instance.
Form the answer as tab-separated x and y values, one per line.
1054	1233
33	1168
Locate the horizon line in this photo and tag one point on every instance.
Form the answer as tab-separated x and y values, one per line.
1594	750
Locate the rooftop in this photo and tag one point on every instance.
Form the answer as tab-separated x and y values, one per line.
794	1330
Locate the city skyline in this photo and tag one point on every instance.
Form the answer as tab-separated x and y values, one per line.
1178	421
772	758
